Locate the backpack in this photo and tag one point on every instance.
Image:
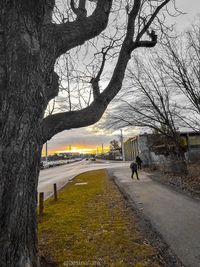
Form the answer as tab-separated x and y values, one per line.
133	166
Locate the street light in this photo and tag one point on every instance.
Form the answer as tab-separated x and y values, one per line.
46	146
122	145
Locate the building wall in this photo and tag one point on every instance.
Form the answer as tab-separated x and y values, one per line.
139	145
193	142
131	148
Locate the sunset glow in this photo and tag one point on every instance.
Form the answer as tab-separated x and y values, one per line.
77	149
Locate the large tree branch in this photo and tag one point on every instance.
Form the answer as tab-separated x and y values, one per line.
95	81
71	34
129	45
56	123
147	43
81	11
115	83
63	121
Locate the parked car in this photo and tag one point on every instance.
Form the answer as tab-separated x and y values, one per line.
41	165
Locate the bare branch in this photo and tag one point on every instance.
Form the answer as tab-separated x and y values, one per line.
150	104
71	34
81	11
148	24
95	81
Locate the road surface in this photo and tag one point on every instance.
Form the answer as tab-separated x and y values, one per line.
174	215
63	174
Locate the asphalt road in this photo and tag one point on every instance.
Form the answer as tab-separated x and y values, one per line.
61	175
174	215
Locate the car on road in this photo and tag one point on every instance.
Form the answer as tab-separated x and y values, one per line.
41	165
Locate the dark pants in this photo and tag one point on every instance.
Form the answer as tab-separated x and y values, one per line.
133	171
139	164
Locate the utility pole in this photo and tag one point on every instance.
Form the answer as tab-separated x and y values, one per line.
68	83
122	145
102	152
70	153
46	149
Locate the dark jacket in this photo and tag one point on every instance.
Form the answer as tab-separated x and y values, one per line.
133	166
138	160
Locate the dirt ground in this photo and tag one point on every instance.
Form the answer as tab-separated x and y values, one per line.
189	184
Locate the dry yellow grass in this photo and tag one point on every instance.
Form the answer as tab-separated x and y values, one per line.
91	225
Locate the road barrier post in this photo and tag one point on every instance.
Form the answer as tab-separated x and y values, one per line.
41	203
55	192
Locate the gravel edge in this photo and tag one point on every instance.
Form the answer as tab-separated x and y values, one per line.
173	184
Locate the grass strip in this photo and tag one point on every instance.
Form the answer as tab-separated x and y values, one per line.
90	225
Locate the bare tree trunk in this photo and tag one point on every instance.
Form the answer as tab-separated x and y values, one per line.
21	143
21	112
18	195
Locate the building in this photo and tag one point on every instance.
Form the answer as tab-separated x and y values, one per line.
142	145
139	145
192	141
131	148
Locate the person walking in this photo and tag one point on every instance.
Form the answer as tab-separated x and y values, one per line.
139	162
133	167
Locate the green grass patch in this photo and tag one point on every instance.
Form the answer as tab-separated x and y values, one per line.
91	225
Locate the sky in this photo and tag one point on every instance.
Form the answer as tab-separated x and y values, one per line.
89	139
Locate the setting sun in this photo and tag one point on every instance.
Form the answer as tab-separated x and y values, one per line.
77	149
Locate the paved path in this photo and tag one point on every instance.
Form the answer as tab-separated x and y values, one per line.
175	216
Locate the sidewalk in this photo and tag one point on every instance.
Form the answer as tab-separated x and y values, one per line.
175	216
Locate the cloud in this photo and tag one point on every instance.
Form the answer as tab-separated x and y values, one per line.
87	137
82	137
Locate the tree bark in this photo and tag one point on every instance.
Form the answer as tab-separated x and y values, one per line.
28	51
18	195
21	112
